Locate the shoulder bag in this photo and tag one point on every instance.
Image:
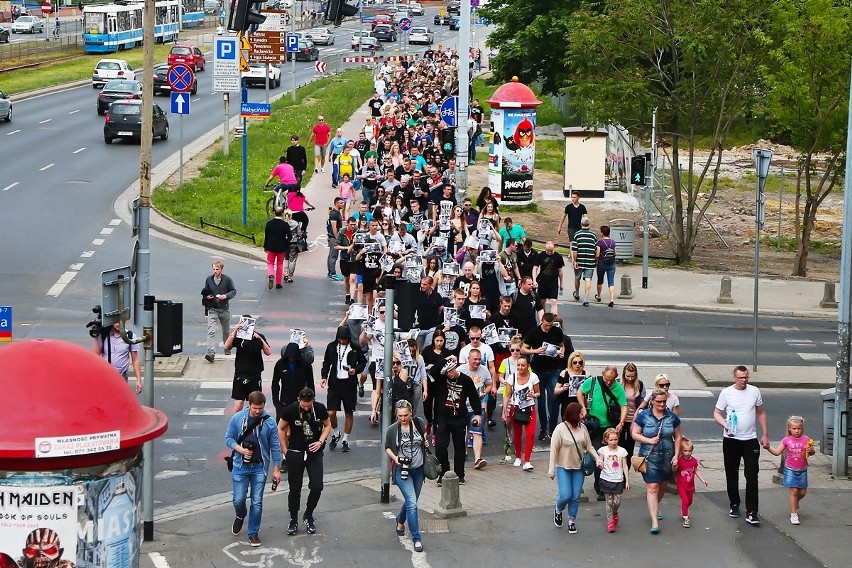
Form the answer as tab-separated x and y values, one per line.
587	463
432	468
613	409
640	464
592	423
229	460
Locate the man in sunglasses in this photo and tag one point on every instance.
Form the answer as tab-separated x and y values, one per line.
547	345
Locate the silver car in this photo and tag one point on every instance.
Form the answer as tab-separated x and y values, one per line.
5	108
322	36
28	25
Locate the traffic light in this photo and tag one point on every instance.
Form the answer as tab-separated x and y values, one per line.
336	10
243	17
637	170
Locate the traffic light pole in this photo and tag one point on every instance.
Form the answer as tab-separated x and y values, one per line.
646	240
462	140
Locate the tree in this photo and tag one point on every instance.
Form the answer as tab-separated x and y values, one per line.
693	60
808	100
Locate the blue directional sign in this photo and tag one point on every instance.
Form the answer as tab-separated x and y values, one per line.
255	110
449	111
292	43
180	103
404	24
5	323
181	78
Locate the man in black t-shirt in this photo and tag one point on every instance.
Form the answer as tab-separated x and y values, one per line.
526	258
574	213
333	226
453	392
375	105
527	307
429	307
303	428
248	364
546	344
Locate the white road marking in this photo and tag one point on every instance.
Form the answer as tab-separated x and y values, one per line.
11	185
829	343
78	150
171	440
206	412
77	266
588	352
46	120
74	112
696	393
170	473
107	231
47	167
98	242
87	254
216	384
784	328
814	356
114	222
13	132
604	336
798	341
60	285
158	560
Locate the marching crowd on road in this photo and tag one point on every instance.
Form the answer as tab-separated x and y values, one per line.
483	342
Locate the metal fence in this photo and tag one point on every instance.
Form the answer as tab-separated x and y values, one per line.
45	46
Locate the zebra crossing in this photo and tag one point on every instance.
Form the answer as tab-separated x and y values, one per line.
643	350
806	349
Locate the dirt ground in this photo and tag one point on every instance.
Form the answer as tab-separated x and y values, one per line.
732	214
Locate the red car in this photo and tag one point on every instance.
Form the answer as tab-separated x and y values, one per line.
382	19
188	55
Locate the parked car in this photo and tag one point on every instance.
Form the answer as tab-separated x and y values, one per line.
124	120
384	32
211	6
308	51
5	108
188	55
117	90
444	20
415	9
454	24
371	44
256	75
4	35
161	81
108	69
454	7
322	36
28	25
421	35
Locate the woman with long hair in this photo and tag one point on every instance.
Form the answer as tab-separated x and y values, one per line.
405	444
458	230
417	373
635	392
570	379
434	359
474	298
522	392
396	155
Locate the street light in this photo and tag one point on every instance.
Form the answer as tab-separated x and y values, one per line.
762	158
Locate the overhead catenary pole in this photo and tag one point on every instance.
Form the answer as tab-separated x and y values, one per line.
387	386
761	165
649	187
293	69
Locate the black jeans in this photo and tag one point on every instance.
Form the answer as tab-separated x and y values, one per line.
597	442
626	441
455	427
296	466
749	452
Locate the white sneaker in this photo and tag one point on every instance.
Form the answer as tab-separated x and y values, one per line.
528	466
794	518
517	462
322	170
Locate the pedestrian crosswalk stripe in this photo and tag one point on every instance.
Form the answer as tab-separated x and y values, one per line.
194	411
217	385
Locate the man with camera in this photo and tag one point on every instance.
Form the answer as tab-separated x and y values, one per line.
109	345
341	366
304	427
253	437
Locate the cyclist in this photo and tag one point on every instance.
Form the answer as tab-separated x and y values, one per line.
287	180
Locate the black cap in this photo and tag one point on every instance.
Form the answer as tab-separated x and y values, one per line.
306	394
343	333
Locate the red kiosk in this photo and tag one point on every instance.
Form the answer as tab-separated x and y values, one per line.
70	457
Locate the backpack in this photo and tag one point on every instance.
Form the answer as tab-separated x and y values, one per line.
609	255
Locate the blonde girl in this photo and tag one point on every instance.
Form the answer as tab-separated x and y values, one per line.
799	448
614	476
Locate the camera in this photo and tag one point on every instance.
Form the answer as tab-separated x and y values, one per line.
404	467
96	327
248	446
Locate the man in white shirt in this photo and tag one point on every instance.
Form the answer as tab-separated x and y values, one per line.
482	380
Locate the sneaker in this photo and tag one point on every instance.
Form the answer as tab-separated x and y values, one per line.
210	357
557	518
293	527
794	518
686	522
610	527
237	526
752	519
517	462
601	497
528	466
345	447
316	171
270	282
461	480
615	518
309	523
611	304
659	516
278	286
360	390
227	351
572	528
254	540
322	170
585	304
734	513
576	295
479	464
337	277
439	482
597	298
418	546
492	424
542	436
333	443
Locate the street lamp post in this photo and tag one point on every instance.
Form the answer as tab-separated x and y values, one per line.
762	158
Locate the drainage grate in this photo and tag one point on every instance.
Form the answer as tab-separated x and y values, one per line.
434	526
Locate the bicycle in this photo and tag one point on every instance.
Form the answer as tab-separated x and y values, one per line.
279	198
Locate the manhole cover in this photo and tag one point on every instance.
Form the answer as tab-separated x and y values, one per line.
434	526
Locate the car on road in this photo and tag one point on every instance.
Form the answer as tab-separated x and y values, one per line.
356	37
384	32
323	36
256	75
415	9
454	7
108	69
188	55
4	34
308	51
421	34
5	108
161	81
28	25
455	25
371	44
212	6
443	21
118	90
124	120
382	19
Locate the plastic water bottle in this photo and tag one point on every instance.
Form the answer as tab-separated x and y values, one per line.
732	423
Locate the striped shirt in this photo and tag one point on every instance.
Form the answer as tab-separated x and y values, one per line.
583	245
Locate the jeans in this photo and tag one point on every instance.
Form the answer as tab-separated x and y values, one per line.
331	259
749	452
369	195
570	484
243	476
445	428
223	319
275	265
335	170
546	406
597	442
410	489
297	464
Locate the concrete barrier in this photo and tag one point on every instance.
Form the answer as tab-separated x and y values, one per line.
626	288
450	505
725	292
828	297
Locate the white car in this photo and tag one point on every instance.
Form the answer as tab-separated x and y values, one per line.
28	25
256	75
5	108
109	69
322	36
356	37
415	9
421	35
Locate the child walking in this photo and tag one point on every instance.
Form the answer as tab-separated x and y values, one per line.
614	476
799	448
687	471
346	192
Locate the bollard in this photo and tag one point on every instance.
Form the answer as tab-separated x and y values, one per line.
725	292
828	300
626	288
450	505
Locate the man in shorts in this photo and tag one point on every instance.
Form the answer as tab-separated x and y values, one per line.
342	364
320	138
583	256
548	275
345	244
248	364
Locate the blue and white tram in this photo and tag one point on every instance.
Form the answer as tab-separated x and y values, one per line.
114	27
193	13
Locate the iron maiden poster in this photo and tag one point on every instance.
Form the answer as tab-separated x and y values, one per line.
38	526
516	148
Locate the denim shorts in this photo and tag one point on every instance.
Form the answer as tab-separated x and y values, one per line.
795	478
476	429
583	273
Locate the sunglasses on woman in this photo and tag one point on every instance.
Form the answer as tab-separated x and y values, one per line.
580	363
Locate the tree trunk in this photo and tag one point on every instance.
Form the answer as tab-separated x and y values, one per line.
800	266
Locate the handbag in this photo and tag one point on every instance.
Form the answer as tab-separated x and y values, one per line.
587	464
522	415
640	464
431	465
302	245
592	423
613	409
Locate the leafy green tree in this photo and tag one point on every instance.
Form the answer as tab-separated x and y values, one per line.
808	100
695	61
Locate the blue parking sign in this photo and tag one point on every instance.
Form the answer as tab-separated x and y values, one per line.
292	42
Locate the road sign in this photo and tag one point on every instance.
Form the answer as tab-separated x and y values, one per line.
449	111
226	84
404	24
46	7
255	110
320	67
180	103
226	59
181	78
292	43
5	324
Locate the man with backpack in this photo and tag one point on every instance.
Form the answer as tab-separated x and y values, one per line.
605	255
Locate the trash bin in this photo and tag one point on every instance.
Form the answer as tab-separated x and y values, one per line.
623	232
826	445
